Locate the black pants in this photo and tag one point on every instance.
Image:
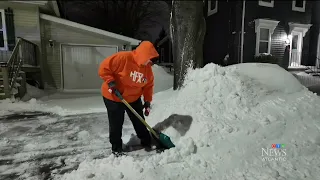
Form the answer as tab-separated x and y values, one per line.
116	118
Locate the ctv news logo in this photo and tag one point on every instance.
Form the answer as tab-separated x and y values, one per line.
277	152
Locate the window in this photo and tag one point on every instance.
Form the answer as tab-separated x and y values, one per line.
266	3
299	5
3	32
212	7
264	29
264	40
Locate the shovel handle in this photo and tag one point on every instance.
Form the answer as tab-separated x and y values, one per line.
135	113
118	94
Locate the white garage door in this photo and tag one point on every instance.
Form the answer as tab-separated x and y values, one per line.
80	65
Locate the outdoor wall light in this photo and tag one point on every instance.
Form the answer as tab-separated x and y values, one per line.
51	43
287	39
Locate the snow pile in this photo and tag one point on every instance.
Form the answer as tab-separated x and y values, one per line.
33	92
8	106
236	113
162	79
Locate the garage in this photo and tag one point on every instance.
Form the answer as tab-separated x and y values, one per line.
80	65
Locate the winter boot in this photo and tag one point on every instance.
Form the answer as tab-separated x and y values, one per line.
147	148
118	153
146	144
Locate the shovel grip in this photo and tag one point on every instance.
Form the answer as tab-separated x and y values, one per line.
117	93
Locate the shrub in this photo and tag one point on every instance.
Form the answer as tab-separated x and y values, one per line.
266	58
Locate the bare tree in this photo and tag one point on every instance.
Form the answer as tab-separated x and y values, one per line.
134	18
187	30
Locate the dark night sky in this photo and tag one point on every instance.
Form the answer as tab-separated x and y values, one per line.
149	18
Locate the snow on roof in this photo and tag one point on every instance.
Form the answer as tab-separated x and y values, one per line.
132	41
40	3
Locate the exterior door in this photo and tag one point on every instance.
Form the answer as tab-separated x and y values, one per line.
80	65
296	49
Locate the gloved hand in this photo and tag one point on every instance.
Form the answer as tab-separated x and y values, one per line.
146	108
112	87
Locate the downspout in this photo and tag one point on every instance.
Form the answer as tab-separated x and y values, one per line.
242	29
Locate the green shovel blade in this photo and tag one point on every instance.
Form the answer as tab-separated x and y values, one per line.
166	141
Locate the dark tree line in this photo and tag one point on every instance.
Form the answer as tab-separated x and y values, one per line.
139	19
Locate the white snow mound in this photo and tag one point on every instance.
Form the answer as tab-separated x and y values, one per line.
237	111
162	79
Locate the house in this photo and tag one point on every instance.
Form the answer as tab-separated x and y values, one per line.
238	31
55	53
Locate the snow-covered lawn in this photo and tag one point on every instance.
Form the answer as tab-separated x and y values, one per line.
238	113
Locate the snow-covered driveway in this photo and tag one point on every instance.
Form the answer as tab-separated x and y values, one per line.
35	143
243	115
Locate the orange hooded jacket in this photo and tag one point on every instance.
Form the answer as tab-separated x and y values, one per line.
127	70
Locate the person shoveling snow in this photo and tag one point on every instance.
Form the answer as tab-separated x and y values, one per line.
127	76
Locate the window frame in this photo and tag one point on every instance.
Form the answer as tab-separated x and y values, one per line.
213	11
298	9
264	24
4	30
266	4
259	40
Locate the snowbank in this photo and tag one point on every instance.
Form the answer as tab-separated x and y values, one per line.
237	111
63	103
162	79
33	92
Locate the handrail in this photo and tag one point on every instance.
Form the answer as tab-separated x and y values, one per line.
27	41
24	52
14	65
315	70
14	51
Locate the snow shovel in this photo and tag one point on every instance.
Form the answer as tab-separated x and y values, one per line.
163	139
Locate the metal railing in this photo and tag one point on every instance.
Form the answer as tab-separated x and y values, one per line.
24	53
308	76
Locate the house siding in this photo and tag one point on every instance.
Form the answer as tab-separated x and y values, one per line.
277	44
314	34
62	34
282	11
26	24
216	41
26	21
225	26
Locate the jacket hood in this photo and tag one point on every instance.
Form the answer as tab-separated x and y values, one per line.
144	52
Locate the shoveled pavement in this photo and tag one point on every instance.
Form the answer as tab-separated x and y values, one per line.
39	145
